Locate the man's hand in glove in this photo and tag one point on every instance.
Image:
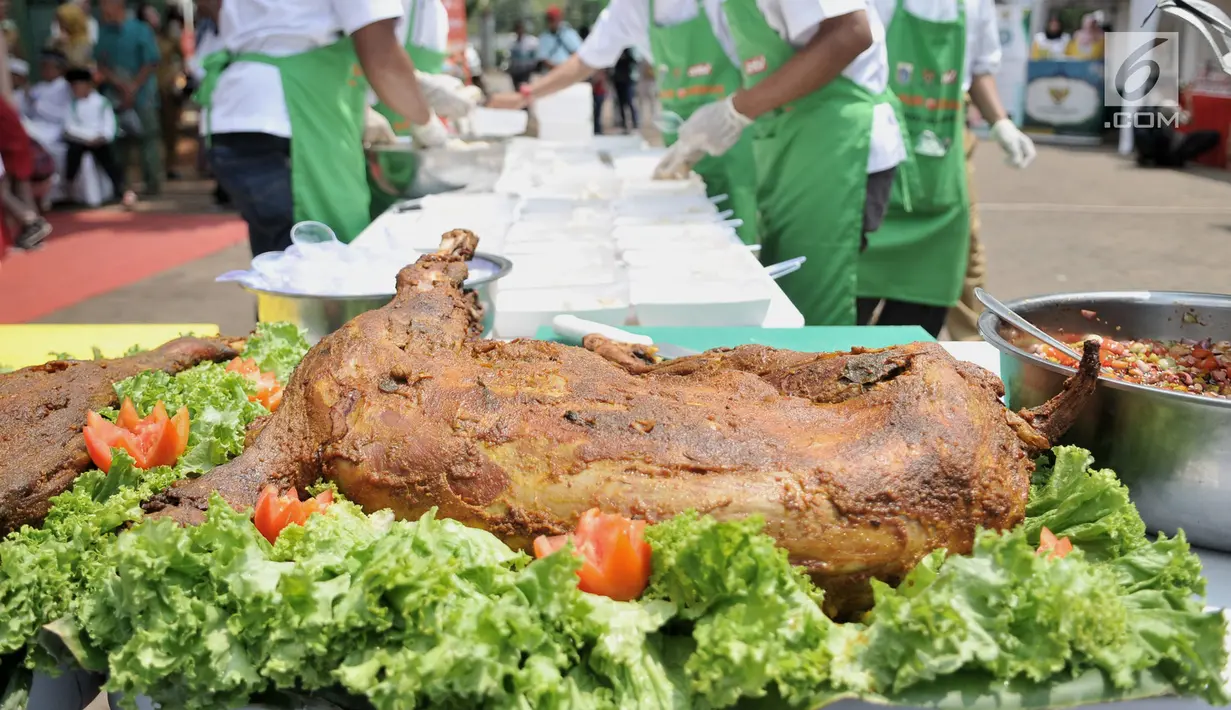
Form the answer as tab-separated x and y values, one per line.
430	135
678	162
376	129
713	128
448	96
1017	146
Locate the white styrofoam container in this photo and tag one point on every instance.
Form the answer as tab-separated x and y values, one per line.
665	206
557	205
497	122
637	188
571	131
554	231
704	304
572	103
668	219
519	314
549	274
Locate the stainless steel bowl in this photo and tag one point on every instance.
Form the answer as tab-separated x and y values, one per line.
1172	449
321	315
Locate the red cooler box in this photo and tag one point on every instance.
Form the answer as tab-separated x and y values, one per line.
1209	112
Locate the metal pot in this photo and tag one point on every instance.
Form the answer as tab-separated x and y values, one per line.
321	315
1172	449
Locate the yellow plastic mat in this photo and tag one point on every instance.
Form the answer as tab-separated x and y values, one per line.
25	345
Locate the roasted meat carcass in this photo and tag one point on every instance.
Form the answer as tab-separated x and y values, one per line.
43	409
860	463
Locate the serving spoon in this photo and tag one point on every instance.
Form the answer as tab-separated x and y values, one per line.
1009	316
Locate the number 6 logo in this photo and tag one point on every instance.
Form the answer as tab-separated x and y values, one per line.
1137	60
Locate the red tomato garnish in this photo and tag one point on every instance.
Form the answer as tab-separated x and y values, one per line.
1052	546
274	512
615	556
156	440
268	391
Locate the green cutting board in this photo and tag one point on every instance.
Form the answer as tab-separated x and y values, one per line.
815	339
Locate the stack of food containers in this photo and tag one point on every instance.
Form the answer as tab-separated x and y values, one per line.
594	235
568	115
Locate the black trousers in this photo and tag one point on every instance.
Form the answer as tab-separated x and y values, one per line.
104	156
255	171
625	105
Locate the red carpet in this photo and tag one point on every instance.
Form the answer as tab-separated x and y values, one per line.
93	252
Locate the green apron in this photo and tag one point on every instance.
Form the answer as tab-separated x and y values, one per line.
812	170
694	70
920	256
399	169
326	96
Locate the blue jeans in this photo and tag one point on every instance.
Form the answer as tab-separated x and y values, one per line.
255	171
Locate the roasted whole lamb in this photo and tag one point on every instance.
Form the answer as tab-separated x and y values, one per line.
43	409
860	463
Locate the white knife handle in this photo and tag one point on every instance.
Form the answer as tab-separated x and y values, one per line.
577	328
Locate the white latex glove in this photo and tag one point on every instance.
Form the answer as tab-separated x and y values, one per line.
376	129
448	96
1017	146
713	128
677	163
432	134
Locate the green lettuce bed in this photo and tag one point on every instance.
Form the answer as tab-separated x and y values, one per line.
367	611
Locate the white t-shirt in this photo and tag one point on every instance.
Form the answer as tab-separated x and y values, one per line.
90	119
49	101
431	24
982	31
248	97
431	29
625	23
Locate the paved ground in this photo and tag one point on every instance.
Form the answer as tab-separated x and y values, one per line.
1075	220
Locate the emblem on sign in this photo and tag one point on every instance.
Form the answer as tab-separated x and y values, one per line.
948	77
1058	94
756	65
697	70
928	76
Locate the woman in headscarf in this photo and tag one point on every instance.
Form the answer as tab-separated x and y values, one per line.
168	32
74	38
1051	42
1088	41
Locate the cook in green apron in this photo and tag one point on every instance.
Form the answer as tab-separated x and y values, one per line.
812	172
916	261
326	97
399	169
694	71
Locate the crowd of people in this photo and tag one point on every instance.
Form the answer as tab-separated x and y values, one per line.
837	129
101	95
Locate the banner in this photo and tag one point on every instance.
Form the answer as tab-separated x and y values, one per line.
1064	100
457	25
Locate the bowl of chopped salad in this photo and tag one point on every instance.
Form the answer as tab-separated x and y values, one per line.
1162	413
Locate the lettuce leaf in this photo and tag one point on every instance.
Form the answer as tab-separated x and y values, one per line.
44	571
756	621
402	613
1090	507
277	348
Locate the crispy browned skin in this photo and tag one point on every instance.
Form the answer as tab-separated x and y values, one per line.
44	408
861	463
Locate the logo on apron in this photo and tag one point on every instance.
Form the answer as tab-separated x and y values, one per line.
756	65
948	77
929	145
697	70
928	76
905	71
